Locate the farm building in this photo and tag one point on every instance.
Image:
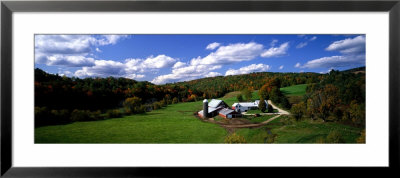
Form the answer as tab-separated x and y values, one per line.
212	108
211	112
217	107
245	106
229	113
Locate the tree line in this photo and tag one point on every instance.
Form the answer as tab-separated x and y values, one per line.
339	97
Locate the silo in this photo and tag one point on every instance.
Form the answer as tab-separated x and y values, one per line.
205	108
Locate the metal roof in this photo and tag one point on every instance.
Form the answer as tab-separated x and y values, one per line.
212	109
248	104
214	103
226	111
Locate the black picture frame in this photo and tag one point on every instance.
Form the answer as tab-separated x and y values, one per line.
8	7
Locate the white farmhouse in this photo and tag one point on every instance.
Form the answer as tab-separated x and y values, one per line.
245	106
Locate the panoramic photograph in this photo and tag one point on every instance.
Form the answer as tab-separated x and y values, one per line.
200	88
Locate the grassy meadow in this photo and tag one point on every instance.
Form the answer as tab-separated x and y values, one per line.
294	93
173	124
285	130
177	123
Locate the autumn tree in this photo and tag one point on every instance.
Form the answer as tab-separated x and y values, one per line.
270	109
357	113
264	92
298	110
132	104
239	97
261	105
175	100
361	139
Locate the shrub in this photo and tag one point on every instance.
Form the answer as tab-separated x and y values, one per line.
175	100
262	105
270	138
79	115
298	110
239	97
60	116
234	138
156	105
334	137
320	140
270	109
95	115
113	113
162	103
361	139
133	104
285	102
42	115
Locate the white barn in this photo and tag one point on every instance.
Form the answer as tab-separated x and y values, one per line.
245	106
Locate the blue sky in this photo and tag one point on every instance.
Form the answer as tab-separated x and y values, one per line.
170	58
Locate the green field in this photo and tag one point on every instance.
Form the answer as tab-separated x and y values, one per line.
285	130
294	93
295	90
177	124
174	124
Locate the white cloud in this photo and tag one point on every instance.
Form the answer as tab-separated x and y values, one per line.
301	45
297	65
134	65
98	50
212	46
204	66
276	51
67	61
179	64
334	61
353	53
273	42
63	44
327	71
106	68
109	39
281	67
65	73
186	73
70	50
130	68
158	62
230	54
354	45
249	69
102	68
134	76
213	74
